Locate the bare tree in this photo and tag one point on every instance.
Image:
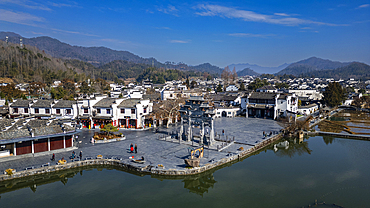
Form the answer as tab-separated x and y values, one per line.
168	109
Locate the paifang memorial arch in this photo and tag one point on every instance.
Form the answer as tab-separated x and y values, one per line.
197	112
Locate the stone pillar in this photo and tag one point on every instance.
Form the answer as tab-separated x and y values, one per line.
201	140
64	142
181	130
15	149
189	137
212	134
246	111
48	144
33	147
126	123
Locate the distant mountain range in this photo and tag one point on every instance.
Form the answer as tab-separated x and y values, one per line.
317	67
311	64
99	56
257	68
107	63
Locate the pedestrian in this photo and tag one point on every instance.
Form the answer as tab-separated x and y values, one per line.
131	148
53	157
80	155
135	148
223	132
264	134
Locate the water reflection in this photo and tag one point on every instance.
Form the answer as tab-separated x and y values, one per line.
328	139
291	147
200	184
34	181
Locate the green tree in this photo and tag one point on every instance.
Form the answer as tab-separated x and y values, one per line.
193	84
258	83
242	87
219	88
334	94
109	128
187	83
86	89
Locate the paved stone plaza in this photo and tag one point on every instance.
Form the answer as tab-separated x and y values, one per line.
170	153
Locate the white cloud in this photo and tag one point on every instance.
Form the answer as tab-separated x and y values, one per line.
179	41
251	35
27	4
277	18
306	28
168	10
19	17
74	32
363	6
282	14
74	4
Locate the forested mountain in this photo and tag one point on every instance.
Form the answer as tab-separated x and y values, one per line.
311	64
247	71
207	67
354	70
98	56
29	64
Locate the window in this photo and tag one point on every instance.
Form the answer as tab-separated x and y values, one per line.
132	111
122	110
98	110
26	110
108	111
86	110
47	111
15	110
58	111
228	112
68	111
36	110
144	110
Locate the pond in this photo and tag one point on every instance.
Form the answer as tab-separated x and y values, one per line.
325	169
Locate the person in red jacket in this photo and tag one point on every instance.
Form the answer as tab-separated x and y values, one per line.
131	148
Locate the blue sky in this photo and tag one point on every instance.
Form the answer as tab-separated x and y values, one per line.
267	33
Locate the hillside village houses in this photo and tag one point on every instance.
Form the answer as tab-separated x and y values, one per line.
131	107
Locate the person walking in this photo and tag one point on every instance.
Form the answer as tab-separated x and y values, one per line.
223	132
53	157
80	155
135	148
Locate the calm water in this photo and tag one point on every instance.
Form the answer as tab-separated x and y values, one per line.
324	169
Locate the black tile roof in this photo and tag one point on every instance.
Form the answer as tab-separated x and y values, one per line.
155	96
105	102
223	97
129	103
64	104
42	104
262	95
21	103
